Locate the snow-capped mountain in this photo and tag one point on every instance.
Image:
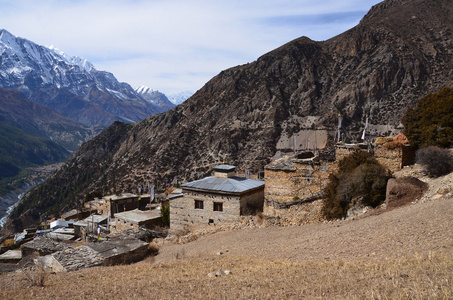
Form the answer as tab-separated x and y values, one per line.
70	85
179	98
156	98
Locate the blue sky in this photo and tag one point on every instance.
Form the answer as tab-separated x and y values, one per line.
175	45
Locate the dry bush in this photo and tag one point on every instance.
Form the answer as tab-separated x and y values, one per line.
180	254
259	218
360	178
37	276
153	249
436	161
7	242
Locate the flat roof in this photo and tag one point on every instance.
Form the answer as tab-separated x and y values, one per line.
137	216
232	185
123	196
94	218
224	168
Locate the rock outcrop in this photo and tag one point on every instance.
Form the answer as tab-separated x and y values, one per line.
404	190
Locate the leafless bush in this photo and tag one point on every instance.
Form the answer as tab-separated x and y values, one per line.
37	276
259	218
153	249
180	254
436	161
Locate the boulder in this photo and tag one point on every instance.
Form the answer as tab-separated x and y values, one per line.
404	190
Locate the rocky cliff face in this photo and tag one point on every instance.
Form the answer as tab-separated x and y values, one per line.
398	53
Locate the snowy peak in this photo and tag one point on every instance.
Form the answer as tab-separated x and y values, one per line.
179	98
73	60
142	90
68	84
155	98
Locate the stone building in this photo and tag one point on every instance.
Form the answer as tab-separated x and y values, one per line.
217	199
294	179
299	178
394	153
119	203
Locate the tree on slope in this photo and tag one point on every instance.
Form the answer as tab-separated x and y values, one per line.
360	180
430	122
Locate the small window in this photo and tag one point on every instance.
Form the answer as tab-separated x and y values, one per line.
218	206
198	204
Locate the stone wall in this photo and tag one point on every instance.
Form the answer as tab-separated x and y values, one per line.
290	179
184	214
389	158
299	180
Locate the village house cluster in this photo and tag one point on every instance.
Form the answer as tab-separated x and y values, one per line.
222	198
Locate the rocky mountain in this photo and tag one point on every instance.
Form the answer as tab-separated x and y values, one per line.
400	51
180	97
156	98
68	85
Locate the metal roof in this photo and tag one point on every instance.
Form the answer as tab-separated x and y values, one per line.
232	184
224	168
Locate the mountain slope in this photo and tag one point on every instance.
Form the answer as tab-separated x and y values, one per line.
69	85
399	52
155	98
19	150
40	121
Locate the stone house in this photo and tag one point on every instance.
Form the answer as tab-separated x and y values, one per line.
119	203
296	179
217	199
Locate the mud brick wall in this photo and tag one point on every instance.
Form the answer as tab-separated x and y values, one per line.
252	202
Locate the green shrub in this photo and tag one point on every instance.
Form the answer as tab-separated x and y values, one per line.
360	180
435	160
431	121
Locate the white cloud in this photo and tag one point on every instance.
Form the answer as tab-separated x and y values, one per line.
177	44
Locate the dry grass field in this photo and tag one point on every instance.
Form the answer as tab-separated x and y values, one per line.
405	253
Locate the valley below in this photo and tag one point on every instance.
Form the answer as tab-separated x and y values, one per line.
36	176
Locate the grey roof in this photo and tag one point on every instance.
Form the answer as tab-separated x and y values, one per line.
232	184
95	219
224	168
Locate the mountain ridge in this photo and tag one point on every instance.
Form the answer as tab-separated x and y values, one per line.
43	73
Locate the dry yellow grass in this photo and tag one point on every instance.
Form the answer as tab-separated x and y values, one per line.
416	277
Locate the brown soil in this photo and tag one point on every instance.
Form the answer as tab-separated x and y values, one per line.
414	229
